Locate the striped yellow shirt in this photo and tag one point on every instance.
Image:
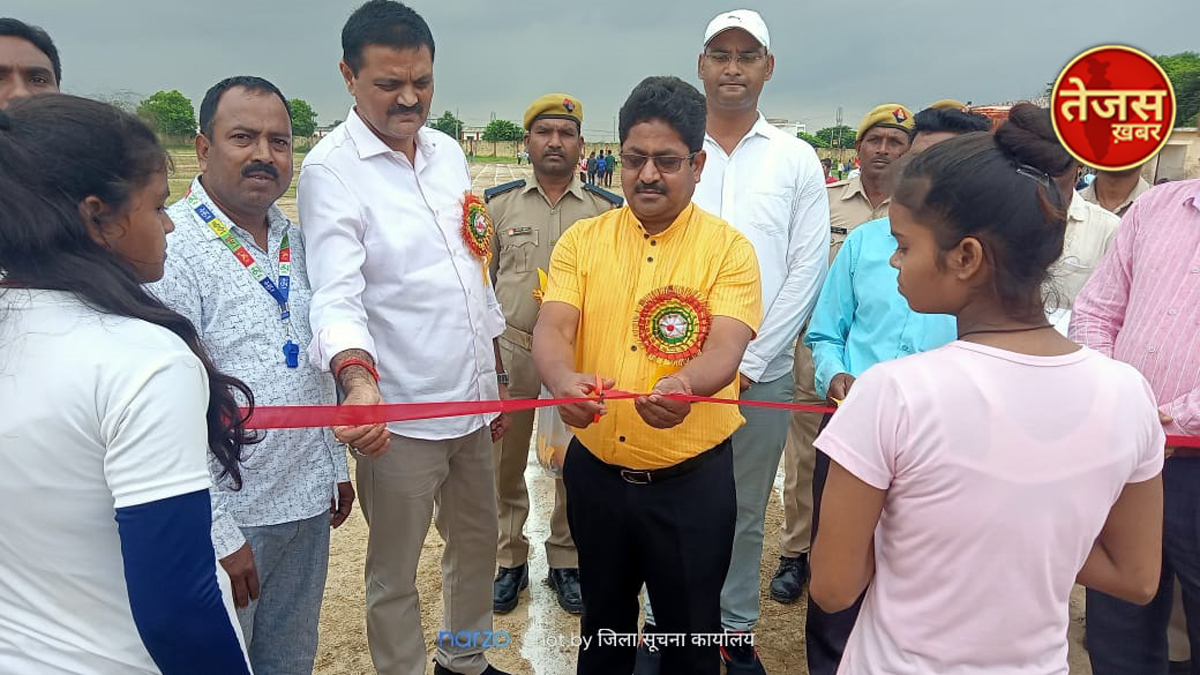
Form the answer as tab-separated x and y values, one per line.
644	301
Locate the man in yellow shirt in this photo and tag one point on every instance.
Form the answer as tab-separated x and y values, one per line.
657	296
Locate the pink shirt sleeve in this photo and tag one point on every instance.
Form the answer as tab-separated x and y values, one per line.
867	432
1099	309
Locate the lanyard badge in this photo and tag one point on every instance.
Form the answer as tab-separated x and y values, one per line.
278	291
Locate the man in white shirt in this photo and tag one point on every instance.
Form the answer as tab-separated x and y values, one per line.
272	535
771	187
403	312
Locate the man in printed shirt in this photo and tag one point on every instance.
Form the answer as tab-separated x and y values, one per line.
770	186
1140	306
400	280
657	296
272	535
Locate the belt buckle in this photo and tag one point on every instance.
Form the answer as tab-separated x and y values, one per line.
635	477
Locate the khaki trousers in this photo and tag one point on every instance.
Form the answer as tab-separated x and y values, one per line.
511	456
450	481
799	458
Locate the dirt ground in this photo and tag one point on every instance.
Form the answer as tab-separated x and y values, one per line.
540	630
538	626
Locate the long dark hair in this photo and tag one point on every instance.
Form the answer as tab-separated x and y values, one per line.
55	151
999	189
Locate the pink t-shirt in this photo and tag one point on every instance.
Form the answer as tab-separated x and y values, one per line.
1000	470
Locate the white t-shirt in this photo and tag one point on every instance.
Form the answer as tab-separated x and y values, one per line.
1000	470
99	413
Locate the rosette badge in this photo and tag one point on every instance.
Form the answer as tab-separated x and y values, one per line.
477	230
672	324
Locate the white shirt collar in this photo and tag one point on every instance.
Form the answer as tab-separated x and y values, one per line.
370	145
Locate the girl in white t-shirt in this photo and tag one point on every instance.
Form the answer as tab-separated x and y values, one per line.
110	411
972	486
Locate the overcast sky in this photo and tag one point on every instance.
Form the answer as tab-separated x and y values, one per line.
496	57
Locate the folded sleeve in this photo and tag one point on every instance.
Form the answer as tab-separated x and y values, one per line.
334	254
830	325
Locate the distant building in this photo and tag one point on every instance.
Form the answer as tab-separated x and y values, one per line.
322	132
472	133
788	126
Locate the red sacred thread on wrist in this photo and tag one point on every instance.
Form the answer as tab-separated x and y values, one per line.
337	375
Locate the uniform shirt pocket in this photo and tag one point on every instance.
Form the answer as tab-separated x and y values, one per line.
518	244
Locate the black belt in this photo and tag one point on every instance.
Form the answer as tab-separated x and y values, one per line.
648	476
839	230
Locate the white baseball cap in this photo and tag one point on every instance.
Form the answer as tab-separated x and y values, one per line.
745	19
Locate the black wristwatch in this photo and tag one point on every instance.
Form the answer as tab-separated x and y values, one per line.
502	378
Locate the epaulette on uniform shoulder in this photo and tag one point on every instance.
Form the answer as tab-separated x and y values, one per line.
501	189
617	200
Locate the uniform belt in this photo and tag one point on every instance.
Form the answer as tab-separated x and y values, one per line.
651	476
518	338
839	230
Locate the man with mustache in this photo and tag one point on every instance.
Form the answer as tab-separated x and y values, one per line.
403	311
658	297
235	268
530	217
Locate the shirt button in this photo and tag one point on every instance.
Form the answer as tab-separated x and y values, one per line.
1196	270
649	259
905	348
621	438
1172	312
654	242
645	236
1152	349
633	348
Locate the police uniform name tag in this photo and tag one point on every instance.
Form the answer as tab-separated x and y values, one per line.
515	231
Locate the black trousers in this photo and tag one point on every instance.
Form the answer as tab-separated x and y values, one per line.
675	536
825	634
1126	638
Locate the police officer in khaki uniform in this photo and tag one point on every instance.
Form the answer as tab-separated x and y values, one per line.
529	217
882	139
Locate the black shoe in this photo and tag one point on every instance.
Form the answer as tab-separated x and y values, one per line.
647	662
789	579
439	669
741	660
565	582
506	590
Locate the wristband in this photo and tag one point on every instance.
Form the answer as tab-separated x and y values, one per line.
337	374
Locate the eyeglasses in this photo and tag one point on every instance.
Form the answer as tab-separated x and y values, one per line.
743	58
664	163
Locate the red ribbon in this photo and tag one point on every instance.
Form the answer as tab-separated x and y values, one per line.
294	417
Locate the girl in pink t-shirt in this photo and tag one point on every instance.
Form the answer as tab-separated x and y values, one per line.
972	486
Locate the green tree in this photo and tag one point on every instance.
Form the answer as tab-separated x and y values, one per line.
169	113
1183	69
502	130
812	140
449	124
304	118
837	137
